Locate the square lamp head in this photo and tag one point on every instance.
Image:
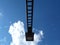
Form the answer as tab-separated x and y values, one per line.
29	36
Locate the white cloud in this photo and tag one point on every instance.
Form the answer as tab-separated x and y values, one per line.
41	32
17	32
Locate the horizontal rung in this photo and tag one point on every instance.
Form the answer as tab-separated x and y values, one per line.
29	5
30	19
29	25
29	13
29	22
29	16
29	9
29	0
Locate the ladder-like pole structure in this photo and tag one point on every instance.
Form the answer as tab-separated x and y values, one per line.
29	14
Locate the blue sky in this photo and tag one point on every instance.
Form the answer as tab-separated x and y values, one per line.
46	18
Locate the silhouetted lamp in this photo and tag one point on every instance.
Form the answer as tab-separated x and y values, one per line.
29	14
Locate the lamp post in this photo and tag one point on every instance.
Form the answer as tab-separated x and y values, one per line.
29	13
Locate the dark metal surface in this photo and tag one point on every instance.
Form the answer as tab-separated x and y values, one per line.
29	14
29	36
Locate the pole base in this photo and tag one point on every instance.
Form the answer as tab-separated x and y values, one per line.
29	36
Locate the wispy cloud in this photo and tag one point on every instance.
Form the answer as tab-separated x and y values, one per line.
17	33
